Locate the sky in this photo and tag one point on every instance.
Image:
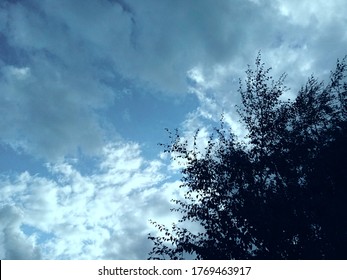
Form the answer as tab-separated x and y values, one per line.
87	88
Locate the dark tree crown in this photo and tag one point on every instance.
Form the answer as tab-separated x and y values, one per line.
280	195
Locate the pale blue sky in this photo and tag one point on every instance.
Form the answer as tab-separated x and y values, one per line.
87	88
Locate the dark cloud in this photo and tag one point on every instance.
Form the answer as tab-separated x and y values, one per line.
64	61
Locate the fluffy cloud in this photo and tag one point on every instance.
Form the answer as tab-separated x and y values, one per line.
74	216
13	243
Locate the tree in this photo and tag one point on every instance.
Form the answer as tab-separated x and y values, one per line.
278	194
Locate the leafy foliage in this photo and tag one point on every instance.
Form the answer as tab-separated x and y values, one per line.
279	195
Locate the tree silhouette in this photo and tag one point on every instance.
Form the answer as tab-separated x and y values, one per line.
281	192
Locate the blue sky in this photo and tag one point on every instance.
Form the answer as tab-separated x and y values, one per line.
87	88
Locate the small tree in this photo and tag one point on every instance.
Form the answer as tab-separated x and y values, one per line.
279	195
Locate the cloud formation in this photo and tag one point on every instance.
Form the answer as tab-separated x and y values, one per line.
74	216
64	61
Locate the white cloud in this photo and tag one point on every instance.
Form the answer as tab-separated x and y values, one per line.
75	216
307	12
13	242
20	73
